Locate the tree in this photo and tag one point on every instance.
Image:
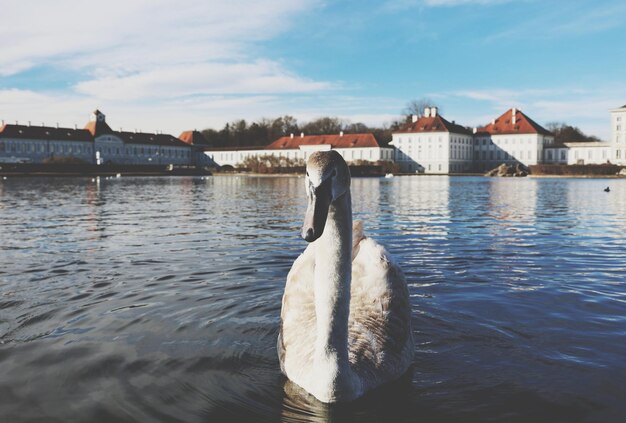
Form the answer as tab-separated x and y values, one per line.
356	128
324	126
567	133
417	107
282	127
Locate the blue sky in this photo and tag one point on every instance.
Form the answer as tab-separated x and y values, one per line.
177	65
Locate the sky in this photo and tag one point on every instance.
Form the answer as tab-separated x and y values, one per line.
161	65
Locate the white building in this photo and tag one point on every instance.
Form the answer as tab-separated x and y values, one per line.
618	135
36	144
511	138
97	143
431	144
122	147
352	147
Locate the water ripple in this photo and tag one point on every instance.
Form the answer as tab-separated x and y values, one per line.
149	299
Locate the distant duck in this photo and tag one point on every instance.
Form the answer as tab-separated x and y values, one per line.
389	175
607	189
346	312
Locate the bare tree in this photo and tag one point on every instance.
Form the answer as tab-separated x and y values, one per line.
416	107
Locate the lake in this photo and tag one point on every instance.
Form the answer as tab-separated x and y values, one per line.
158	299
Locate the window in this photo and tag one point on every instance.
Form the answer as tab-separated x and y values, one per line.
1	146
617	154
562	154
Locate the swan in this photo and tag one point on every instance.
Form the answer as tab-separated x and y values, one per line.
346	315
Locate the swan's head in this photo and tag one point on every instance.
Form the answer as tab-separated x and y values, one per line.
327	179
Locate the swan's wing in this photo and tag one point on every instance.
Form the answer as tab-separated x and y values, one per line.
380	335
297	328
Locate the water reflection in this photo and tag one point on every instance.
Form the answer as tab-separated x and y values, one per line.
139	299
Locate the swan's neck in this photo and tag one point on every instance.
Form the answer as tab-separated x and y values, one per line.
333	270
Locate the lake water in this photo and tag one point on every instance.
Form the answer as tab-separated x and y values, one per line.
158	299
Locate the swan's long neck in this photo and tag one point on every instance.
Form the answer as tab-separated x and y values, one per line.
333	270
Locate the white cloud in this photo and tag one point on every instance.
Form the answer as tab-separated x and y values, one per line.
138	34
153	50
574	20
586	108
462	2
398	5
167	64
172	81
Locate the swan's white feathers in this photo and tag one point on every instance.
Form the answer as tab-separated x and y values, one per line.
379	334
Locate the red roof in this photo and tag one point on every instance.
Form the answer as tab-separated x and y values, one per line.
193	138
504	125
335	141
97	128
433	124
44	133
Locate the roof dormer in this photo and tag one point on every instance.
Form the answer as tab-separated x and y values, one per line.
97	116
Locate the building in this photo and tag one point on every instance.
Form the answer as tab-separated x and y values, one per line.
137	148
618	135
571	153
511	138
97	143
431	144
352	147
36	144
198	144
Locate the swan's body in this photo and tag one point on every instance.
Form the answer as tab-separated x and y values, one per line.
346	315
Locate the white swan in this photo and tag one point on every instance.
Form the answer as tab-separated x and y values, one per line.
346	315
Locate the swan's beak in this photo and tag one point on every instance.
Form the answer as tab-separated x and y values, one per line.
315	219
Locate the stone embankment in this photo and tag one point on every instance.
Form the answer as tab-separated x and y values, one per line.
505	170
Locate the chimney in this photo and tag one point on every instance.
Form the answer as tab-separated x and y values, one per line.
341	133
75	126
57	125
493	122
433	111
427	112
474	130
413	118
291	135
2	122
301	134
513	113
29	123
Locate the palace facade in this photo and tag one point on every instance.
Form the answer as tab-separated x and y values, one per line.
97	143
